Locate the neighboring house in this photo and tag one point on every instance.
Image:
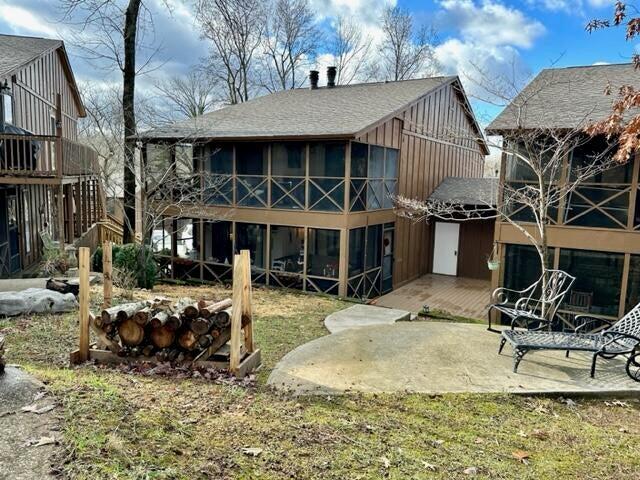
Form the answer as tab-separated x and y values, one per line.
462	248
595	234
306	178
48	183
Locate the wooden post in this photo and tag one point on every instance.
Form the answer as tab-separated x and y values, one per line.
246	308
59	170
236	314
83	259
107	270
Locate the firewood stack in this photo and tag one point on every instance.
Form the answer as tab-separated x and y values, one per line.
171	332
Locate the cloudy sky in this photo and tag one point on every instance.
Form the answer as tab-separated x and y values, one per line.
492	34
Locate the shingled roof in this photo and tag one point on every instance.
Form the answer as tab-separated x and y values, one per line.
324	112
17	51
565	97
467	191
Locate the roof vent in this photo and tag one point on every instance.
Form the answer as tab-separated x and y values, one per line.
331	77
314	75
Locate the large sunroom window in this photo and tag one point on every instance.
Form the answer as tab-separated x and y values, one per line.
253	237
365	262
287	256
598	278
251	168
602	200
288	166
326	176
323	260
374	173
218	166
217	251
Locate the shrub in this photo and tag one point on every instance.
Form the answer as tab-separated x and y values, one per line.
126	258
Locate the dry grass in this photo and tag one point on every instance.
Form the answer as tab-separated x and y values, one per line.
125	426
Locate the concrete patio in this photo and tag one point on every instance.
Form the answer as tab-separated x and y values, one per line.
464	297
438	358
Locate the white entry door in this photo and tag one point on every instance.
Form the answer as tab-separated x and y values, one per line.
445	248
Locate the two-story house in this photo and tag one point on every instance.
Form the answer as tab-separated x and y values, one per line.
306	178
49	183
595	231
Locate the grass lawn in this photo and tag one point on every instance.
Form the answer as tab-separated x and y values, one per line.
128	426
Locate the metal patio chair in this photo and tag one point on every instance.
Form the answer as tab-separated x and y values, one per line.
620	338
526	312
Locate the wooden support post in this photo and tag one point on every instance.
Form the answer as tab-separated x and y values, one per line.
246	306
83	259
59	170
236	314
107	270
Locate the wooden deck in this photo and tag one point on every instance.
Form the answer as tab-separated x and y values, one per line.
465	297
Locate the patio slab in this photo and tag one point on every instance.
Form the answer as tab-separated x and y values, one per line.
364	316
438	358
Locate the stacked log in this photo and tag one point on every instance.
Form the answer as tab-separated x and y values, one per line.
179	331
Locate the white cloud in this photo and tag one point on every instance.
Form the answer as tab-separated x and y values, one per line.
24	21
490	23
570	5
366	11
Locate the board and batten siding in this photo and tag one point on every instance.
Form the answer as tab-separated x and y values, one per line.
34	96
436	140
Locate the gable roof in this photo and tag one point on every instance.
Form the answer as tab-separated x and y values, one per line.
467	191
342	111
566	97
18	51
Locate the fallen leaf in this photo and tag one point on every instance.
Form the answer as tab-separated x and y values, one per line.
252	451
437	443
429	466
521	456
623	430
386	462
522	434
539	434
478	440
41	442
470	471
39	411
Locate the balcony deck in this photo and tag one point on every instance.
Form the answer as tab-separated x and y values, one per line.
464	297
42	157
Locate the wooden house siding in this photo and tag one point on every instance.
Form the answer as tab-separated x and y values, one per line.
34	89
436	140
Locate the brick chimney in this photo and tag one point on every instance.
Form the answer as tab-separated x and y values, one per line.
331	77
314	75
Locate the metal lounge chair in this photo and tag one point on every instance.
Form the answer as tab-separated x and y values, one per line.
620	338
526	312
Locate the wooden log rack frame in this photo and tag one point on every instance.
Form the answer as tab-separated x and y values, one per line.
234	350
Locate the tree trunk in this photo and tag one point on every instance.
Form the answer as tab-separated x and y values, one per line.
129	117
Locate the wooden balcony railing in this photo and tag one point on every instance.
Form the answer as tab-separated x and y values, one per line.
78	159
36	156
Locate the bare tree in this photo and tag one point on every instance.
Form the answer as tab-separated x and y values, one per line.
112	33
406	52
350	49
189	96
290	42
234	28
541	173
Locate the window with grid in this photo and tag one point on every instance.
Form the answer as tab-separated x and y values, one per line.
287	256
253	237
